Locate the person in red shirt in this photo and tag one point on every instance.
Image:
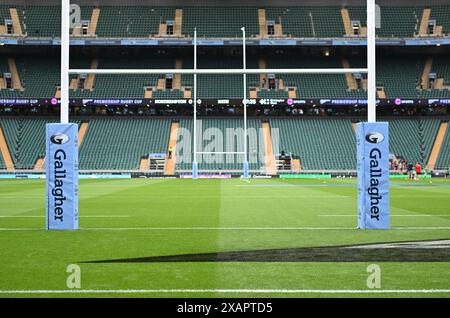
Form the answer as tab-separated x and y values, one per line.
418	170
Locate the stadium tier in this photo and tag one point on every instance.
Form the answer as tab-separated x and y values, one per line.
320	144
216	22
122	86
399	76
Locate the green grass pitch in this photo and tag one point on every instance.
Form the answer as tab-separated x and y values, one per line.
142	219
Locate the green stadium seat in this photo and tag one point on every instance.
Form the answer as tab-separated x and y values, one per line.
412	139
2	162
324	144
132	21
119	143
220	21
25	139
443	161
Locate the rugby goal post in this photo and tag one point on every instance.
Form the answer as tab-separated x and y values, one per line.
369	216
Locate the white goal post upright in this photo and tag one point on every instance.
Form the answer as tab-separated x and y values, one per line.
244	102
65	57
245	173
371	62
61	158
194	162
372	144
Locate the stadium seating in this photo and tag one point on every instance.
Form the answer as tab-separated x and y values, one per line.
119	143
2	162
4	68
400	21
219	85
395	21
295	21
109	143
314	85
39	21
300	21
220	21
272	94
321	144
308	21
327	21
441	66
132	21
358	13
412	139
325	144
25	139
77	62
172	94
220	162
125	86
400	76
39	76
442	15
4	13
443	161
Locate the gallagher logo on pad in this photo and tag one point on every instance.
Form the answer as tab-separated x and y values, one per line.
374	137
59	139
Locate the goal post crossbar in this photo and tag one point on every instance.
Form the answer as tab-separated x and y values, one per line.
221	71
369	70
220	153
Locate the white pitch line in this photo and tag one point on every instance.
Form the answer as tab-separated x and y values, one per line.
396	215
232	291
232	228
217	228
82	216
257	228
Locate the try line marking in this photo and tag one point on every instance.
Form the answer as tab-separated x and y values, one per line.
407	228
395	215
82	216
230	291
